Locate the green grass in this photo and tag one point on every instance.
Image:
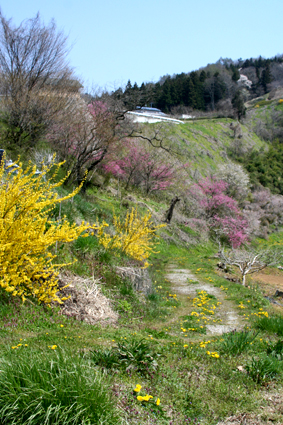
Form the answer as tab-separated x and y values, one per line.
56	389
94	370
272	324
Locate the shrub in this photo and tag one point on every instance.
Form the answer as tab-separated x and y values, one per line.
133	236
27	234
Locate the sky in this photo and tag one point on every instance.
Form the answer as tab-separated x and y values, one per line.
114	41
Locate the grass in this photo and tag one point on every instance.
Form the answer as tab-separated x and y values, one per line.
54	390
92	371
273	324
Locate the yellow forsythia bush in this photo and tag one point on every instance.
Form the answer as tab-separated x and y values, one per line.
26	234
134	235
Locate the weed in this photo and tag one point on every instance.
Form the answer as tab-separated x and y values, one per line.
133	355
137	355
276	350
273	324
234	343
263	369
104	358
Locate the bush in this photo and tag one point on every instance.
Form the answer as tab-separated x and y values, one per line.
133	236
27	234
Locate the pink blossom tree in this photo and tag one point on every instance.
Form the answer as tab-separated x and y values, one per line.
221	211
143	166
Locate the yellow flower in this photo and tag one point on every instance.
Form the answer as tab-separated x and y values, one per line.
158	401
186	345
138	388
140	398
147	397
53	347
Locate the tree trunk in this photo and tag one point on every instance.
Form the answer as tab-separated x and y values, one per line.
169	213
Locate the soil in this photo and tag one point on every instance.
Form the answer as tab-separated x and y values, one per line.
269	281
181	286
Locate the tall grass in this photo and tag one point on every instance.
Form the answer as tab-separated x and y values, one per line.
234	343
272	324
54	389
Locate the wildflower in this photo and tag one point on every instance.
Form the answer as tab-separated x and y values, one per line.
147	397
158	402
53	347
138	388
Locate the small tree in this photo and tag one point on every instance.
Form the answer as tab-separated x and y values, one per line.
239	105
83	135
27	265
251	261
221	211
143	165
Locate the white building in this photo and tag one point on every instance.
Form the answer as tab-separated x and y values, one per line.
151	115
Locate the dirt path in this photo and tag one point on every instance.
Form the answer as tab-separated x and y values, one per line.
230	319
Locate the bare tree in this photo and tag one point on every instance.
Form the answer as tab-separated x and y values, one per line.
35	79
83	134
250	261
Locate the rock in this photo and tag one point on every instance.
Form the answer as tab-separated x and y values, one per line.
278	293
138	277
113	191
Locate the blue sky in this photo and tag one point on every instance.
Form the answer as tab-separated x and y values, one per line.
142	40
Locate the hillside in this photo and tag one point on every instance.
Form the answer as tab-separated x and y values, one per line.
141	265
164	340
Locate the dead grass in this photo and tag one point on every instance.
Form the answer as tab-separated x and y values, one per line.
85	300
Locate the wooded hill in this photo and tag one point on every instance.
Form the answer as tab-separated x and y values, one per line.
213	87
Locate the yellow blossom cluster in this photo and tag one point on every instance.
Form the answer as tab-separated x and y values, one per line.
134	235
26	233
202	344
206	307
147	397
260	313
213	354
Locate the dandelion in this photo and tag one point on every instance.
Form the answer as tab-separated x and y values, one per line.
138	388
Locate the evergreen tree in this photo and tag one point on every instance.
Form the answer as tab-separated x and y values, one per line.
238	105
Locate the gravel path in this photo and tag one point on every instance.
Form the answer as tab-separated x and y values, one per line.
226	311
